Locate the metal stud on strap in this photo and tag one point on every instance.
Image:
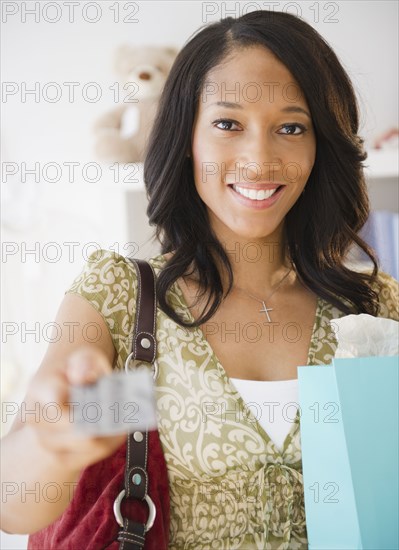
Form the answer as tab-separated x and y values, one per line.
138	436
145	343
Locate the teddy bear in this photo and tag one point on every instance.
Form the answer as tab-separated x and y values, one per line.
121	134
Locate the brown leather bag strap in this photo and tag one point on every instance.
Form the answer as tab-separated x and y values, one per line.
146	313
144	347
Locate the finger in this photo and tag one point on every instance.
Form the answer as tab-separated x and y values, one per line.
79	452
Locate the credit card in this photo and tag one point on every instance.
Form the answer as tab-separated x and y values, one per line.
115	404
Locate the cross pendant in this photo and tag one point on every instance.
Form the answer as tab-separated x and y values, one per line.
266	310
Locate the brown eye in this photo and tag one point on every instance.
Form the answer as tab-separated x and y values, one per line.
292	129
225	122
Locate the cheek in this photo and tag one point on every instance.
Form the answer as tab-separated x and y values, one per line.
298	167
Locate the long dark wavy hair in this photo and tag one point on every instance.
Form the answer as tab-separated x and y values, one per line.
324	222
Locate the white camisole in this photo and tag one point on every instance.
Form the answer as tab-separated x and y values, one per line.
273	403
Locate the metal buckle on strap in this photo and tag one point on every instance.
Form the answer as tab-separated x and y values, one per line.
151	516
137	363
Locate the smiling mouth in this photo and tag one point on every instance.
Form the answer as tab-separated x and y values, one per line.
253	193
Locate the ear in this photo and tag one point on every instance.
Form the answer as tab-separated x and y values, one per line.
171	51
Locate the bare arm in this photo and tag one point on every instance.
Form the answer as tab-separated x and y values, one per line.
36	452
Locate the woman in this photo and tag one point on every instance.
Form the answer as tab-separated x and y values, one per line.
255	185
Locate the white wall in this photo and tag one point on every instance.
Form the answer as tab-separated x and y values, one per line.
363	35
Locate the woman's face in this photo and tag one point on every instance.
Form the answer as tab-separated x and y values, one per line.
263	141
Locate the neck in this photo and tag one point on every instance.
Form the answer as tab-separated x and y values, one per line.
257	267
258	264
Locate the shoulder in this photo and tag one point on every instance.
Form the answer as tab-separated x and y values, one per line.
106	277
108	281
388	294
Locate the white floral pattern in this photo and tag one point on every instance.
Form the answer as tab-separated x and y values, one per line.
230	487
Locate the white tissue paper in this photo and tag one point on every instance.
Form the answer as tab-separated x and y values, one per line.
365	336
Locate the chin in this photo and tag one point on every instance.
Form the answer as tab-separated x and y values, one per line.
246	228
254	232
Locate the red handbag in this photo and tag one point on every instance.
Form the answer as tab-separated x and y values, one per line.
131	483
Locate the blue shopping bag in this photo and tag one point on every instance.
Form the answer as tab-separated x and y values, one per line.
349	438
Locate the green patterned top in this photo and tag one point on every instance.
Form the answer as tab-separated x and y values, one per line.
230	487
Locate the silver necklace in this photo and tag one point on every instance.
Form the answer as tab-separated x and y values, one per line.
266	309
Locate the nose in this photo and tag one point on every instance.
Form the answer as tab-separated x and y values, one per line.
261	160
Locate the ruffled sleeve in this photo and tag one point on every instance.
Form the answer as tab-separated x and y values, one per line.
109	282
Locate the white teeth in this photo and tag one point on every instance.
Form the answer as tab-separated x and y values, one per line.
253	194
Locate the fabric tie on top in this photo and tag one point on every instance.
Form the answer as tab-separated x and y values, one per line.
284	503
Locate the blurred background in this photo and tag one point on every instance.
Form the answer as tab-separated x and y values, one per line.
64	68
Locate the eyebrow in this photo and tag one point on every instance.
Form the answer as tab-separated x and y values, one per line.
289	109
